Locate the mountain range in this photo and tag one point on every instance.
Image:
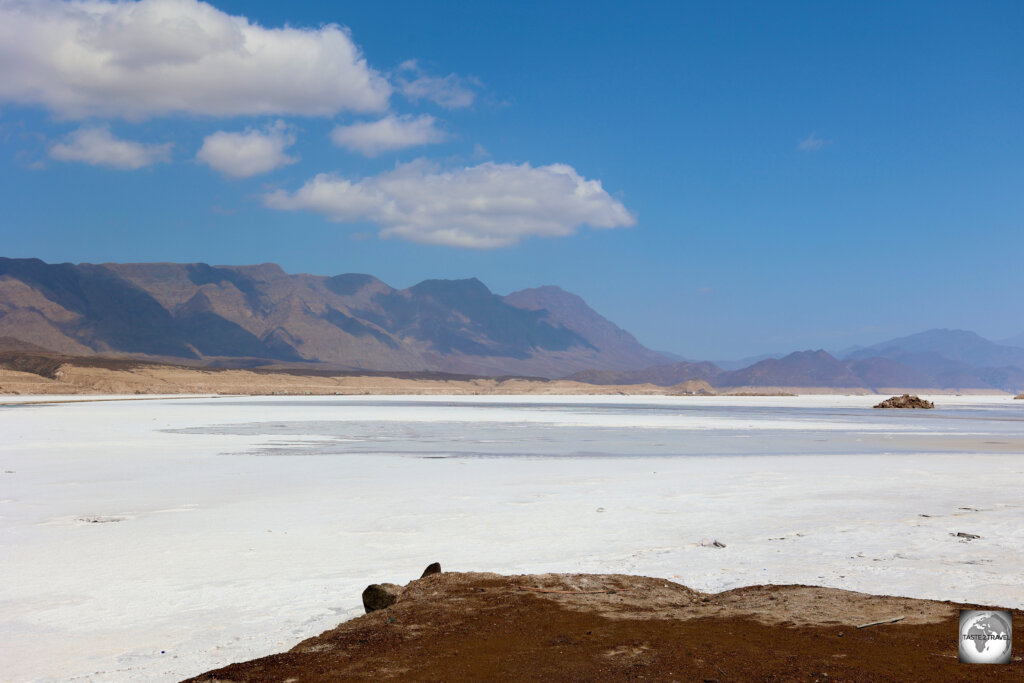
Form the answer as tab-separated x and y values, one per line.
259	315
253	315
936	359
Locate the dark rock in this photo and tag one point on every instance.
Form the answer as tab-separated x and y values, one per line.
434	568
905	401
380	596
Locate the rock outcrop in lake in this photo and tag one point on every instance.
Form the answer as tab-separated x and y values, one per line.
905	401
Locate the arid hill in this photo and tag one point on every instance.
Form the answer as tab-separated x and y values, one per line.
258	314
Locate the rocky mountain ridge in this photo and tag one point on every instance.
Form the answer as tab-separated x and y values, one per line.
259	314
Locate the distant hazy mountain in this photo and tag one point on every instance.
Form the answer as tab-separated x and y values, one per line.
800	369
955	345
740	363
821	369
674	357
1017	341
209	314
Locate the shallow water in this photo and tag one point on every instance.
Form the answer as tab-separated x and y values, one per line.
679	427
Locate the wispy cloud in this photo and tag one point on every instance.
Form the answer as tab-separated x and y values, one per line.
99	147
484	206
252	152
389	133
812	143
451	91
157	57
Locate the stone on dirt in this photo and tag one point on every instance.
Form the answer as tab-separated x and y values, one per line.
380	596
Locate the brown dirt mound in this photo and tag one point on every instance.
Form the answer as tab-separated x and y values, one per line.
905	401
556	627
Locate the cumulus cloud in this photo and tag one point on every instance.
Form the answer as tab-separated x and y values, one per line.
389	133
255	151
98	146
812	143
451	91
155	57
485	206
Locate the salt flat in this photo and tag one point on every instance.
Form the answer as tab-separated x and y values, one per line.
157	539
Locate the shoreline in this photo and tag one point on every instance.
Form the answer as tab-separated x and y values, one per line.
43	374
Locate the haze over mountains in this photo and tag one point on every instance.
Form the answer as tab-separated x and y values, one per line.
253	315
936	359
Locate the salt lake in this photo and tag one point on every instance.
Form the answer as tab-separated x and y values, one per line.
155	539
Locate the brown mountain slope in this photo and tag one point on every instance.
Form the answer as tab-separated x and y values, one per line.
224	314
618	348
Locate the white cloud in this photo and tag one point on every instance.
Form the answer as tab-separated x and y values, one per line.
485	206
451	91
241	155
812	143
98	146
389	133
154	57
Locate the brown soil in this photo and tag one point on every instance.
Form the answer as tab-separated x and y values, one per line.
486	627
47	373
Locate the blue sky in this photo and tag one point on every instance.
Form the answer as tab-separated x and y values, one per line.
773	176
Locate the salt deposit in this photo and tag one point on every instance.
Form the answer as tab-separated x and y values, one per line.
157	539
